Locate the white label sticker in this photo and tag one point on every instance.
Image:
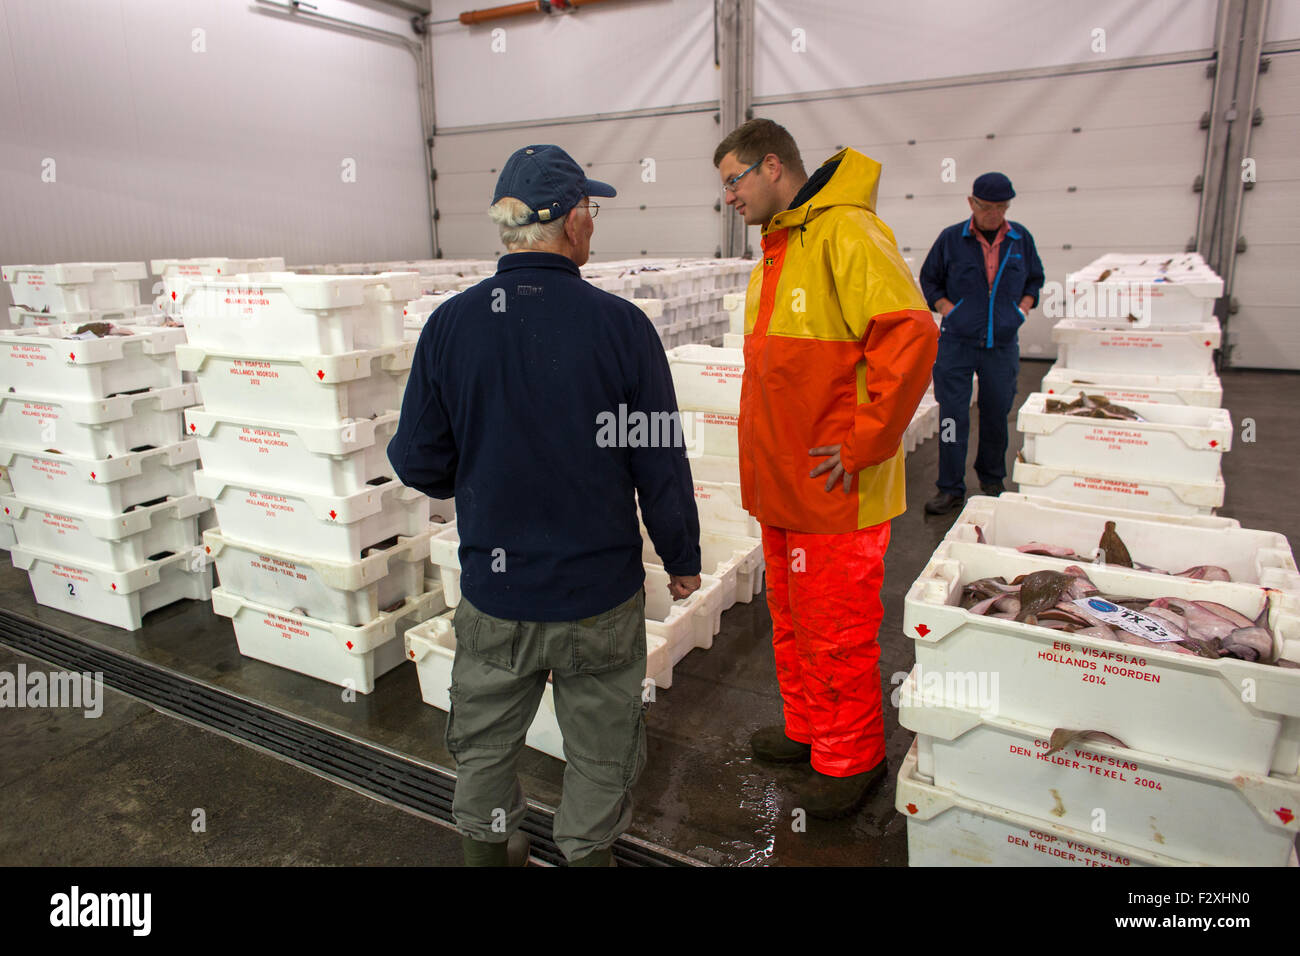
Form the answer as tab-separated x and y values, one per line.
1131	621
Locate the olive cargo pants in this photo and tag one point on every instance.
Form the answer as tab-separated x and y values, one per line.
598	666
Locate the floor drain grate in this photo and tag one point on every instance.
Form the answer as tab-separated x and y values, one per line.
416	786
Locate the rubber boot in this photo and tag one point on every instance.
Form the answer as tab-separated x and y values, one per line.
511	852
771	745
603	857
829	798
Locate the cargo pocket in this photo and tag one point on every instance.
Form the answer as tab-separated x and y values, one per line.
491	639
610	640
636	758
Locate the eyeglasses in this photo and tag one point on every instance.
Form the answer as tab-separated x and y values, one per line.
730	185
593	208
981	205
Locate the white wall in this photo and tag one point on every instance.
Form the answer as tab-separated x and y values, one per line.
1283	21
627	55
162	151
848	43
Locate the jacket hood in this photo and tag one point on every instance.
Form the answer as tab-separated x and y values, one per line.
854	183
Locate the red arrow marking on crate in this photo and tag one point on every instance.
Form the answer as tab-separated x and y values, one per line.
73	356
320	373
333	514
412	653
92	476
1285	815
1207	341
1213	442
207	549
911	808
1051	391
113	586
922	630
191	426
349	645
173	296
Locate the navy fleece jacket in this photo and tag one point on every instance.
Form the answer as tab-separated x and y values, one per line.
510	385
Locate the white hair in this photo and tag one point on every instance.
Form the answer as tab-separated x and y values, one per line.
511	217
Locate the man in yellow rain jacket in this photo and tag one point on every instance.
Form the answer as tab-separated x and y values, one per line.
839	346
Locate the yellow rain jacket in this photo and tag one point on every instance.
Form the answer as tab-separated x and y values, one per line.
839	350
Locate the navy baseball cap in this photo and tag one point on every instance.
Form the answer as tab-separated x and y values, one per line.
546	180
993	187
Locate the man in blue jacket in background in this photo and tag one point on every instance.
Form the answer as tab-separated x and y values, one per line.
983	276
512	387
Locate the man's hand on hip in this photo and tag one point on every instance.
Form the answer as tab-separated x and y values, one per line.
683	585
831	464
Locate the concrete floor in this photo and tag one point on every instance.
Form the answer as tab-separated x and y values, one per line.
121	789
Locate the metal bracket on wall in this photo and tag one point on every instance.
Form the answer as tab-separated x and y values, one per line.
1236	70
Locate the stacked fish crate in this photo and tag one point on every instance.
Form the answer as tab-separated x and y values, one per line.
692	293
1095	698
174	273
76	293
320	551
1138	338
99	494
418	311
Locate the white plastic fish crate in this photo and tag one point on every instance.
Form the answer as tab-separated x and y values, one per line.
43	362
317	459
75	286
717	497
710	433
348	656
736	561
733	303
1171	543
175	273
1204	391
104	486
733	340
335	528
924	424
1159	804
311	390
1179	295
1176	441
128	315
416	312
706	377
1087	345
119	542
284	315
686	624
98	428
352	593
1087	487
118	598
432	645
1178	705
947	829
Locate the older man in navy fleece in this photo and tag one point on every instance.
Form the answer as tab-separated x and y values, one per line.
509	388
